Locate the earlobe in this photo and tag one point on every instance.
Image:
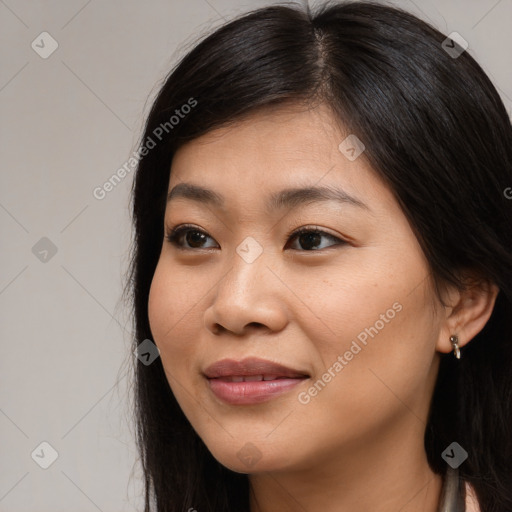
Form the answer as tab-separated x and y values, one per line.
466	313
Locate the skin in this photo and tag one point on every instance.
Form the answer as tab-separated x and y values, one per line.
357	444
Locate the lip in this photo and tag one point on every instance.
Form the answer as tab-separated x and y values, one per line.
237	382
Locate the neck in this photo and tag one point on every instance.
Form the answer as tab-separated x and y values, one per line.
390	475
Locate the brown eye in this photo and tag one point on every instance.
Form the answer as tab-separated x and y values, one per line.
310	239
190	238
193	237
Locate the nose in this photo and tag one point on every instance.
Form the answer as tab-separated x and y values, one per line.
249	296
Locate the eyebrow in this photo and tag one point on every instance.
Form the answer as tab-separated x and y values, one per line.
286	198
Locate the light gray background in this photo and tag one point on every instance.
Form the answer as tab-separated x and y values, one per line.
68	123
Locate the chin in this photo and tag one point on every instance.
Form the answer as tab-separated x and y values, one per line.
248	457
258	466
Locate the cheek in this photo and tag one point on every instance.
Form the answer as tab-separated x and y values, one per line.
374	338
345	305
170	309
160	306
171	312
380	365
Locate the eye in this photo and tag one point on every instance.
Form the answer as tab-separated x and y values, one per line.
309	238
193	236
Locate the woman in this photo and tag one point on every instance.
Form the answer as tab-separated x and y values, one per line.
323	257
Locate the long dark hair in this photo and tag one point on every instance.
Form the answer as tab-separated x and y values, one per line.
438	134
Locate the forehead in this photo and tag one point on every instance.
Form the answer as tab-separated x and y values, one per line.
292	134
272	150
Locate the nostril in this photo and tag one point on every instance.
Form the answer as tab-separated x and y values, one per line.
218	329
255	324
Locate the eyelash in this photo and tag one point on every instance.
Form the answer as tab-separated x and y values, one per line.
175	233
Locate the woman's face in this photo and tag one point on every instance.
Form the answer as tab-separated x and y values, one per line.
348	313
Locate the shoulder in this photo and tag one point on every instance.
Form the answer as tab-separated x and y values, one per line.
471	500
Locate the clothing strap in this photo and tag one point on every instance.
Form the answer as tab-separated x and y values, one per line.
453	495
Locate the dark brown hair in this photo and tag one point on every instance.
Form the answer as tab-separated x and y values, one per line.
435	130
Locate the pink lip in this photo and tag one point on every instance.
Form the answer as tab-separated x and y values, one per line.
221	376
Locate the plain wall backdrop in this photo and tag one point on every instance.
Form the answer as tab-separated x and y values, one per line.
69	120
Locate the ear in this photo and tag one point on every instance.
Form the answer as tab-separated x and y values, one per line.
466	311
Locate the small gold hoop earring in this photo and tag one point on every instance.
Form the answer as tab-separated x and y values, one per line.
454	340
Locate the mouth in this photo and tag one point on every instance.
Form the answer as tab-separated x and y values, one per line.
251	380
